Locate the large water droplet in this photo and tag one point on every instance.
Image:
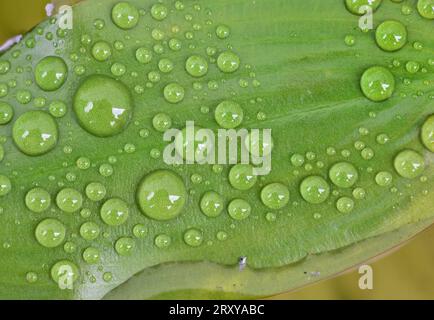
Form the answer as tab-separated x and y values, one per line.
162	241
391	35
125	15
101	51
409	164
103	106
51	73
426	8
161	195
89	230
114	212
239	209
174	93
69	200
64	273
159	11
241	177
35	133
275	196
91	255
228	62
384	178
229	114
95	191
193	237
343	174
50	233
125	246
196	66
38	200
377	83
315	189
345	205
211	204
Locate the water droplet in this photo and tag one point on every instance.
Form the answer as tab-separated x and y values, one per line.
51	73
359	193
223	31
161	195
165	65
91	255
5	185
221	236
95	191
101	51
50	233
159	12
314	189
139	231
69	247
239	209
89	231
35	133
69	200
241	177
228	62
343	174
162	241
345	205
354	6
125	15
427	133
6	113
107	276
57	109
193	237
118	69
384	179
38	200
275	196
5	66
103	106
85	213
383	138
196	66
426	8
174	93
31	277
297	160
3	90
143	55
114	212
412	66
124	246
377	83
161	122
212	204
391	35
83	163
409	164
367	153
229	114
350	40
175	44
64	273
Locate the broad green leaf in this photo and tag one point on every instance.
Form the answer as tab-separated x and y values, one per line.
300	71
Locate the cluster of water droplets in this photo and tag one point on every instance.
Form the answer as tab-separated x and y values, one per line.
104	105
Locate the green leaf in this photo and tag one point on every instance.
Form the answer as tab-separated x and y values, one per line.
297	75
